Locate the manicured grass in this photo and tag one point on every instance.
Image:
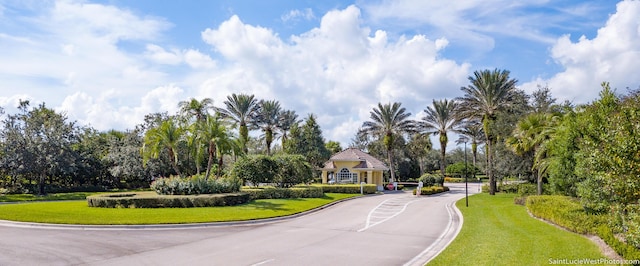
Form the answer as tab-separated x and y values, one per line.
77	212
498	232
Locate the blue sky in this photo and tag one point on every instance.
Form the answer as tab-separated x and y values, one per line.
108	63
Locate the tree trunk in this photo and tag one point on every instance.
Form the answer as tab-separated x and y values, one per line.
492	178
443	154
174	164
244	137
539	182
210	161
393	175
268	138
41	191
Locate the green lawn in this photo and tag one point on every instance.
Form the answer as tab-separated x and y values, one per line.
498	232
77	212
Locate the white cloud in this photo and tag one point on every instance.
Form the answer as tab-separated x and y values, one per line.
296	14
338	71
613	56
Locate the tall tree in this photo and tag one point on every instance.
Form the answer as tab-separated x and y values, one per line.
286	119
214	134
196	109
240	108
333	146
529	135
419	146
266	118
472	129
166	136
489	93
388	122
308	141
439	120
37	144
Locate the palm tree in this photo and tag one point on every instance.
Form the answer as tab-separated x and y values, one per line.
266	118
388	122
530	135
489	93
240	108
195	108
166	136
472	129
287	118
439	120
214	134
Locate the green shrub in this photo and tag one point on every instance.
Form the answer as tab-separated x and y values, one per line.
431	190
255	169
284	193
293	169
348	188
431	180
194	185
623	249
152	200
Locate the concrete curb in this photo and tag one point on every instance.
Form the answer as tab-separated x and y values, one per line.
444	240
49	226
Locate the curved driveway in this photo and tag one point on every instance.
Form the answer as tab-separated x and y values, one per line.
390	229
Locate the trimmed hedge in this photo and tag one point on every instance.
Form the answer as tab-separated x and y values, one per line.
431	190
348	188
570	214
284	193
454	180
152	200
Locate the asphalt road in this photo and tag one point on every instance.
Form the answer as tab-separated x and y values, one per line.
390	229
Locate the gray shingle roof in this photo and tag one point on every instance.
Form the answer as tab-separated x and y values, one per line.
352	154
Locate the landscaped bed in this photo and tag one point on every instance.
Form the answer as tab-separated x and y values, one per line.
77	212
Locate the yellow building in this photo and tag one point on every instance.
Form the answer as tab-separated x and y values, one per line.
353	166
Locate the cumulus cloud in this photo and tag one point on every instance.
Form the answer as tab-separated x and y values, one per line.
613	55
338	71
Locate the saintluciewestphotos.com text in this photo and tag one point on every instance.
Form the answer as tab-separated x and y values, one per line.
591	261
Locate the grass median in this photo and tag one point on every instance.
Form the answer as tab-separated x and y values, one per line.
77	212
498	232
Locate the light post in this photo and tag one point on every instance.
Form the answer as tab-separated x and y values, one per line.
464	140
466	174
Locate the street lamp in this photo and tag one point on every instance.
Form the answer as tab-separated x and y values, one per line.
464	140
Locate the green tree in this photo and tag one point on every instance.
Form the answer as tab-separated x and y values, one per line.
419	146
388	122
530	134
489	93
308	141
267	118
213	132
196	109
38	144
333	147
240	108
167	137
439	120
472	129
286	119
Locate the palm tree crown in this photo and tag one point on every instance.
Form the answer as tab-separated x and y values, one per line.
489	93
267	118
438	121
240	108
388	122
195	108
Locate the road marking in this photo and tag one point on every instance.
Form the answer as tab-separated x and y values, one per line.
450	210
263	262
385	211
